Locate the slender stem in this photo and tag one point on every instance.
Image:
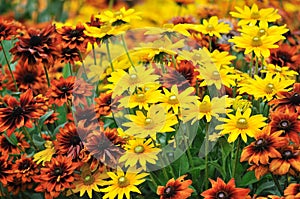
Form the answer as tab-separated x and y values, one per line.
236	159
27	134
111	4
108	54
210	44
94	54
152	179
126	50
277	184
70	67
206	155
47	76
256	66
9	67
251	64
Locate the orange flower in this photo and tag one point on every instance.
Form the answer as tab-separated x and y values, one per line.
288	122
57	176
264	148
288	163
8	29
103	104
61	91
17	114
25	169
260	170
175	189
292	191
8	148
290	100
221	190
5	170
69	55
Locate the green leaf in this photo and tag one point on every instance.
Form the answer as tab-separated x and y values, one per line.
38	141
248	178
58	127
12	139
44	117
219	168
181	165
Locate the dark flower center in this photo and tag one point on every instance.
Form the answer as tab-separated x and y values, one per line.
35	41
222	195
75	140
284	56
169	191
74	33
287	154
67	51
64	89
24	165
260	143
284	125
29	78
2	28
17	111
58	171
295	99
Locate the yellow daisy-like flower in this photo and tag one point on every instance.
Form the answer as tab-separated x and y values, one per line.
265	88
176	100
260	45
156	120
139	152
89	182
251	16
136	77
44	155
220	58
206	108
239	103
104	31
171	29
120	17
122	184
142	98
212	27
283	72
241	124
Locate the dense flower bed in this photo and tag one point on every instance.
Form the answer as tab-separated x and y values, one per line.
168	99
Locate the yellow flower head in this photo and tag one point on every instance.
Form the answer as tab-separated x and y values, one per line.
283	72
139	152
46	154
251	16
241	124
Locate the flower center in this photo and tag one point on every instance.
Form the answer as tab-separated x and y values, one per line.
210	27
74	33
269	88
133	77
256	41
173	99
215	75
24	165
140	97
139	149
287	154
283	125
148	121
88	179
295	99
123	181
222	195
255	15
35	40
261	32
64	89
242	123
17	111
205	107
197	57
29	78
75	140
169	191
58	171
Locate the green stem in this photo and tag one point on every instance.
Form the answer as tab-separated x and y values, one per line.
153	179
206	155
236	159
111	4
108	54
94	54
27	134
251	64
126	50
210	44
70	67
277	184
9	67
256	66
47	76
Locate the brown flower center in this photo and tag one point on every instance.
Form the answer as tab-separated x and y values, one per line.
35	40
256	41
148	121
173	99
24	165
140	97
287	154
58	171
295	99
88	180
255	15
215	75
139	149
205	107
133	78
169	191
242	123
74	33
64	89
29	78
269	88
75	140
261	32
17	111
210	27
123	181
284	125
222	195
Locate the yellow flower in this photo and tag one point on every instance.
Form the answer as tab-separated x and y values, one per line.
139	152
260	45
283	72
156	120
242	104
205	108
44	155
212	27
176	100
142	98
122	184
120	17
89	182
136	77
265	88
105	31
171	29
251	16
220	58
241	124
